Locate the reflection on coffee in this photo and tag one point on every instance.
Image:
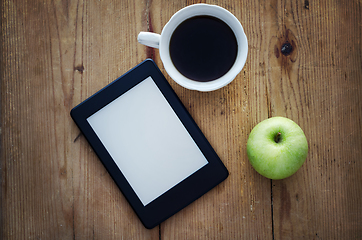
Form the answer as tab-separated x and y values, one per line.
203	48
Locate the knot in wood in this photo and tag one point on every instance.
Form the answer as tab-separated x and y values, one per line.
286	49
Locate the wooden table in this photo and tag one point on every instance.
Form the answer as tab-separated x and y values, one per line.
55	54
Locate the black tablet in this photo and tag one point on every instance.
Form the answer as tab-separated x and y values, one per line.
149	144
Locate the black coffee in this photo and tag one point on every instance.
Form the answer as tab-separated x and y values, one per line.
203	48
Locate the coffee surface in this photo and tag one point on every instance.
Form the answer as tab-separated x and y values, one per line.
203	48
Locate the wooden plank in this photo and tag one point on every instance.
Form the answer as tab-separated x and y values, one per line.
319	87
54	55
240	207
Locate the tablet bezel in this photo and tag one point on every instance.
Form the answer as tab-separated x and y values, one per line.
184	192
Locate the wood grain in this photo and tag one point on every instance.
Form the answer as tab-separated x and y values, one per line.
55	54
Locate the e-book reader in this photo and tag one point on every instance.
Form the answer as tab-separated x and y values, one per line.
149	144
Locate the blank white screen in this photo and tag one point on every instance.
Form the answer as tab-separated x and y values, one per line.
147	141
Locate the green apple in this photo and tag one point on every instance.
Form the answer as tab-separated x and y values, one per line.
277	147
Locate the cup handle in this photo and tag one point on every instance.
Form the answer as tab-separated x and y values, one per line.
149	39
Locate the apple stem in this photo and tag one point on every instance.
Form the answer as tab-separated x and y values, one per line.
277	137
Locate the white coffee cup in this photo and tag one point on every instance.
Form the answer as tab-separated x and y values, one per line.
162	42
